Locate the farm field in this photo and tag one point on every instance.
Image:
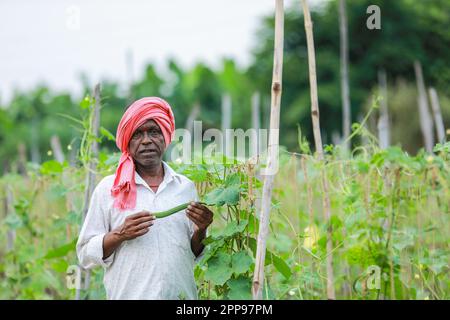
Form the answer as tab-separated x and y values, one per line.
324	158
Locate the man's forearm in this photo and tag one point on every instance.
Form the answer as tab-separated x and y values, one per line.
196	242
110	243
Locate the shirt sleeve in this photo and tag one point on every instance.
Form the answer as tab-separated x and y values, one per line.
196	198
90	240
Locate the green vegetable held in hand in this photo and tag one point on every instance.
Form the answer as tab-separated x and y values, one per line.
163	214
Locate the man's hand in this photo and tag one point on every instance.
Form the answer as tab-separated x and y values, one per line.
135	225
200	215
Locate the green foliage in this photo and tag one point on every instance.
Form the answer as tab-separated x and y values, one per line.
388	211
221	196
61	251
410	30
389	208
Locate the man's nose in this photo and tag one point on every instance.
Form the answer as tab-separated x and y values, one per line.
147	138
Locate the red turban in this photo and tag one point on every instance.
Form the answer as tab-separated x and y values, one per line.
142	110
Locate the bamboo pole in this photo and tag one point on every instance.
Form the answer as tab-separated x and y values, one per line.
319	148
384	136
345	87
22	165
226	124
55	144
336	138
195	111
256	123
437	115
272	152
91	175
426	123
35	152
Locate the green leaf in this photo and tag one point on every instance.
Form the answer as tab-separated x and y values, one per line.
219	270
60	266
253	224
240	288
107	134
196	173
221	196
51	167
279	264
439	266
233	180
402	240
363	167
13	221
378	159
61	251
214	244
85	103
209	240
233	228
241	262
56	192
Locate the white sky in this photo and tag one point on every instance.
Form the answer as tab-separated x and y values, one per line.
40	42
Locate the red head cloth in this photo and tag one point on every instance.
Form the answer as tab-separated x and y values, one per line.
142	110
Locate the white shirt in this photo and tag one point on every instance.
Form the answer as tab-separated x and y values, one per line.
157	265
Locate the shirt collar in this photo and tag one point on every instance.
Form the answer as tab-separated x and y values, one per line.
169	175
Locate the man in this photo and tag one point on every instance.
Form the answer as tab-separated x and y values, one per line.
144	257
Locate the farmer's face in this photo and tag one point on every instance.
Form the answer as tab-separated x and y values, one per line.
147	145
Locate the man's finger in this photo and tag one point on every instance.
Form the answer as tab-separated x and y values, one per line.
142	219
198	205
138	215
141	226
195	209
141	232
197	218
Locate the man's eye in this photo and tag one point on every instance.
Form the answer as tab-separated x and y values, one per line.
155	133
137	135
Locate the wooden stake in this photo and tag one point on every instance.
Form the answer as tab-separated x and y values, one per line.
55	143
437	115
345	87
226	124
256	122
22	150
91	174
272	152
35	152
426	124
384	136
195	111
319	148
